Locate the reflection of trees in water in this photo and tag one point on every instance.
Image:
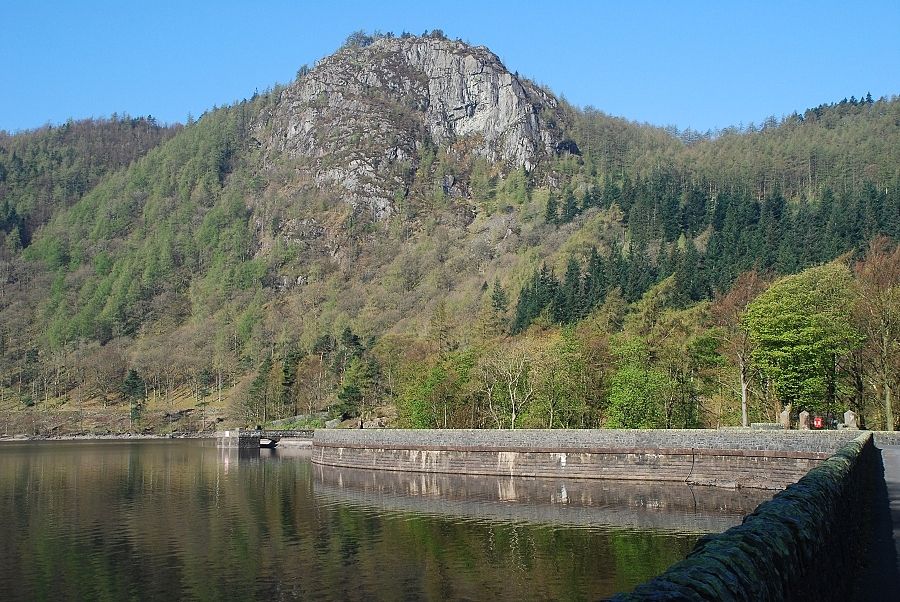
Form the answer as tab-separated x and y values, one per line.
167	520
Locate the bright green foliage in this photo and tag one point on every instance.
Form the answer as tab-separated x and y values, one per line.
432	395
561	385
51	168
514	189
680	346
139	234
416	394
637	391
802	332
482	181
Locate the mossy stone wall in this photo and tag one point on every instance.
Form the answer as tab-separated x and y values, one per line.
804	544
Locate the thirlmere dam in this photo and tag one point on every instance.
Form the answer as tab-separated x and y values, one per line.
819	537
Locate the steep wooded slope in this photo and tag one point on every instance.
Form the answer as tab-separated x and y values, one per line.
405	189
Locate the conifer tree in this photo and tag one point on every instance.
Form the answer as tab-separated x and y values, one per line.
568	294
499	298
591	198
551	213
570	208
499	307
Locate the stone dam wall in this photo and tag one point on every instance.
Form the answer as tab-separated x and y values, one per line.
730	458
803	544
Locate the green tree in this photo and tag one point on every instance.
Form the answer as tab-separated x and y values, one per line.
134	390
359	388
727	312
499	298
551	211
133	386
877	312
433	395
801	330
561	381
13	242
499	308
637	392
569	209
515	187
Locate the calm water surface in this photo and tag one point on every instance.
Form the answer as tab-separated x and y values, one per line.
181	519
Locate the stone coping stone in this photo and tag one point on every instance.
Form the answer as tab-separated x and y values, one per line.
592	440
670	451
800	545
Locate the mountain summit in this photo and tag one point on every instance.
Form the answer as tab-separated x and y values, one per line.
364	114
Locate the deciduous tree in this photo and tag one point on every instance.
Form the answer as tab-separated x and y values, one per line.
801	329
877	312
727	312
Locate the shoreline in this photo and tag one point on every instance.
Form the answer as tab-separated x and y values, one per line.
108	437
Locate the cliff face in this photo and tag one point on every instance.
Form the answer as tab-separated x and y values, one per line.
362	116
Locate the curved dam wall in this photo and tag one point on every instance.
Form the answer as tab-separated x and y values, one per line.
803	544
730	458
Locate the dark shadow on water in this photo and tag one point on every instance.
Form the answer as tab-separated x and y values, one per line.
878	578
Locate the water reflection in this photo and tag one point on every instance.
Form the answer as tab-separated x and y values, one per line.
182	519
576	502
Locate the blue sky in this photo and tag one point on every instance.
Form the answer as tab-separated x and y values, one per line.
689	64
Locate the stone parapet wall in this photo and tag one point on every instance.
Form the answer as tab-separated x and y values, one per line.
886	438
767	460
280	434
738	439
804	544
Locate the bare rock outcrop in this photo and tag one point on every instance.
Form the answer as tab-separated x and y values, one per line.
362	117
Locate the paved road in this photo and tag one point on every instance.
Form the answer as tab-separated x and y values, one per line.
890	455
880	579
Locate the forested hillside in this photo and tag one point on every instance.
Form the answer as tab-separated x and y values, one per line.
522	263
48	169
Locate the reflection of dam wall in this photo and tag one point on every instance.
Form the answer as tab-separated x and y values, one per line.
577	502
761	459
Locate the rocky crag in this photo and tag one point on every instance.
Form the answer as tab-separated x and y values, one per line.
361	117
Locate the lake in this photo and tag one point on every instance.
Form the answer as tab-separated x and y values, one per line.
161	519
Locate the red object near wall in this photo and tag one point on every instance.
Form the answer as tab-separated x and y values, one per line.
818	422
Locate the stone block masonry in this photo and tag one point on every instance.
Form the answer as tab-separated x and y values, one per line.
731	458
804	544
238	439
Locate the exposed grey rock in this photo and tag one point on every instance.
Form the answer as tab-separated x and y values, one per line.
361	117
376	423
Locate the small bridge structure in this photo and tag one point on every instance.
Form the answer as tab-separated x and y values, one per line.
251	438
